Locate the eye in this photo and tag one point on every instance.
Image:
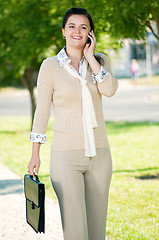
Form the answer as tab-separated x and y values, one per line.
83	27
71	26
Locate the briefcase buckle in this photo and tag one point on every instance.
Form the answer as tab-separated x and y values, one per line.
32	205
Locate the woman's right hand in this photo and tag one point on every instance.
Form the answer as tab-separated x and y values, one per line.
34	165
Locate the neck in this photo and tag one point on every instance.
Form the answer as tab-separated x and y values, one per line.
75	54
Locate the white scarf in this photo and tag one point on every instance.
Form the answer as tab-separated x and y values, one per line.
89	117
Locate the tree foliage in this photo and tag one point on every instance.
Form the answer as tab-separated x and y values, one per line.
29	31
130	18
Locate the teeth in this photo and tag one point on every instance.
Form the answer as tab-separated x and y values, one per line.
77	37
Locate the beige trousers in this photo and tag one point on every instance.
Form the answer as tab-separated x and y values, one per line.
82	185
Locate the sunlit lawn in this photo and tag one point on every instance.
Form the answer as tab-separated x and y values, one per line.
134	192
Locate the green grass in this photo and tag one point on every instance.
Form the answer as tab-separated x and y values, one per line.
133	212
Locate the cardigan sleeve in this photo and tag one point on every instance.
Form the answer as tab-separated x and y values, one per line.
44	99
106	83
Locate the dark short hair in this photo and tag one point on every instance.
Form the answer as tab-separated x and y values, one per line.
78	11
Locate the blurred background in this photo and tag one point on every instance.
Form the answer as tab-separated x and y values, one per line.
30	31
127	32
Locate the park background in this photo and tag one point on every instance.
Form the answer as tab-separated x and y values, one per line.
30	31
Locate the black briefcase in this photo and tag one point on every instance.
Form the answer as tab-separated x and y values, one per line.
35	202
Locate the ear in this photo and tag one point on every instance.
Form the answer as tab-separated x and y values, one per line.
63	31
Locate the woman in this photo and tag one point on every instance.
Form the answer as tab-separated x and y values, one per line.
134	68
80	166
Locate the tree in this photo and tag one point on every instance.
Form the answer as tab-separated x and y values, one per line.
130	18
29	31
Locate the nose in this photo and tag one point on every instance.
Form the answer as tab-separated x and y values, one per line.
77	29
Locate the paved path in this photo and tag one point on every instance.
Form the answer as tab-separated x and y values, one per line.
140	103
13	224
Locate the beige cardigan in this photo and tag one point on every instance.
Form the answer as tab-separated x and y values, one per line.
56	85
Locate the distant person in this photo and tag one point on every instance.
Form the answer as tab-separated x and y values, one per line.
81	164
134	68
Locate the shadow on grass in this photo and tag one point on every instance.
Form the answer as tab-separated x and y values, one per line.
44	176
154	176
136	170
8	132
15	132
118	124
127	126
148	177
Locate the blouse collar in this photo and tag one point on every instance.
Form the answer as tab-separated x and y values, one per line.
63	58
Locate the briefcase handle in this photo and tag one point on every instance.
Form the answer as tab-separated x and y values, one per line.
36	177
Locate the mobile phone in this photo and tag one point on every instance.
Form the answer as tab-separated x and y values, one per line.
88	40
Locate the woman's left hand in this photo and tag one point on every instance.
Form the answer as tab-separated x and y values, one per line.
89	48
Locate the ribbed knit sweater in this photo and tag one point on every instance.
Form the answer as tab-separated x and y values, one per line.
55	85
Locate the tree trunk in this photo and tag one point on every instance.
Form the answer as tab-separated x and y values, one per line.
33	105
28	81
156	19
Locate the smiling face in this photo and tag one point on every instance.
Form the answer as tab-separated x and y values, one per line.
76	31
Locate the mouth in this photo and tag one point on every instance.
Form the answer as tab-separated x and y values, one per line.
77	37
